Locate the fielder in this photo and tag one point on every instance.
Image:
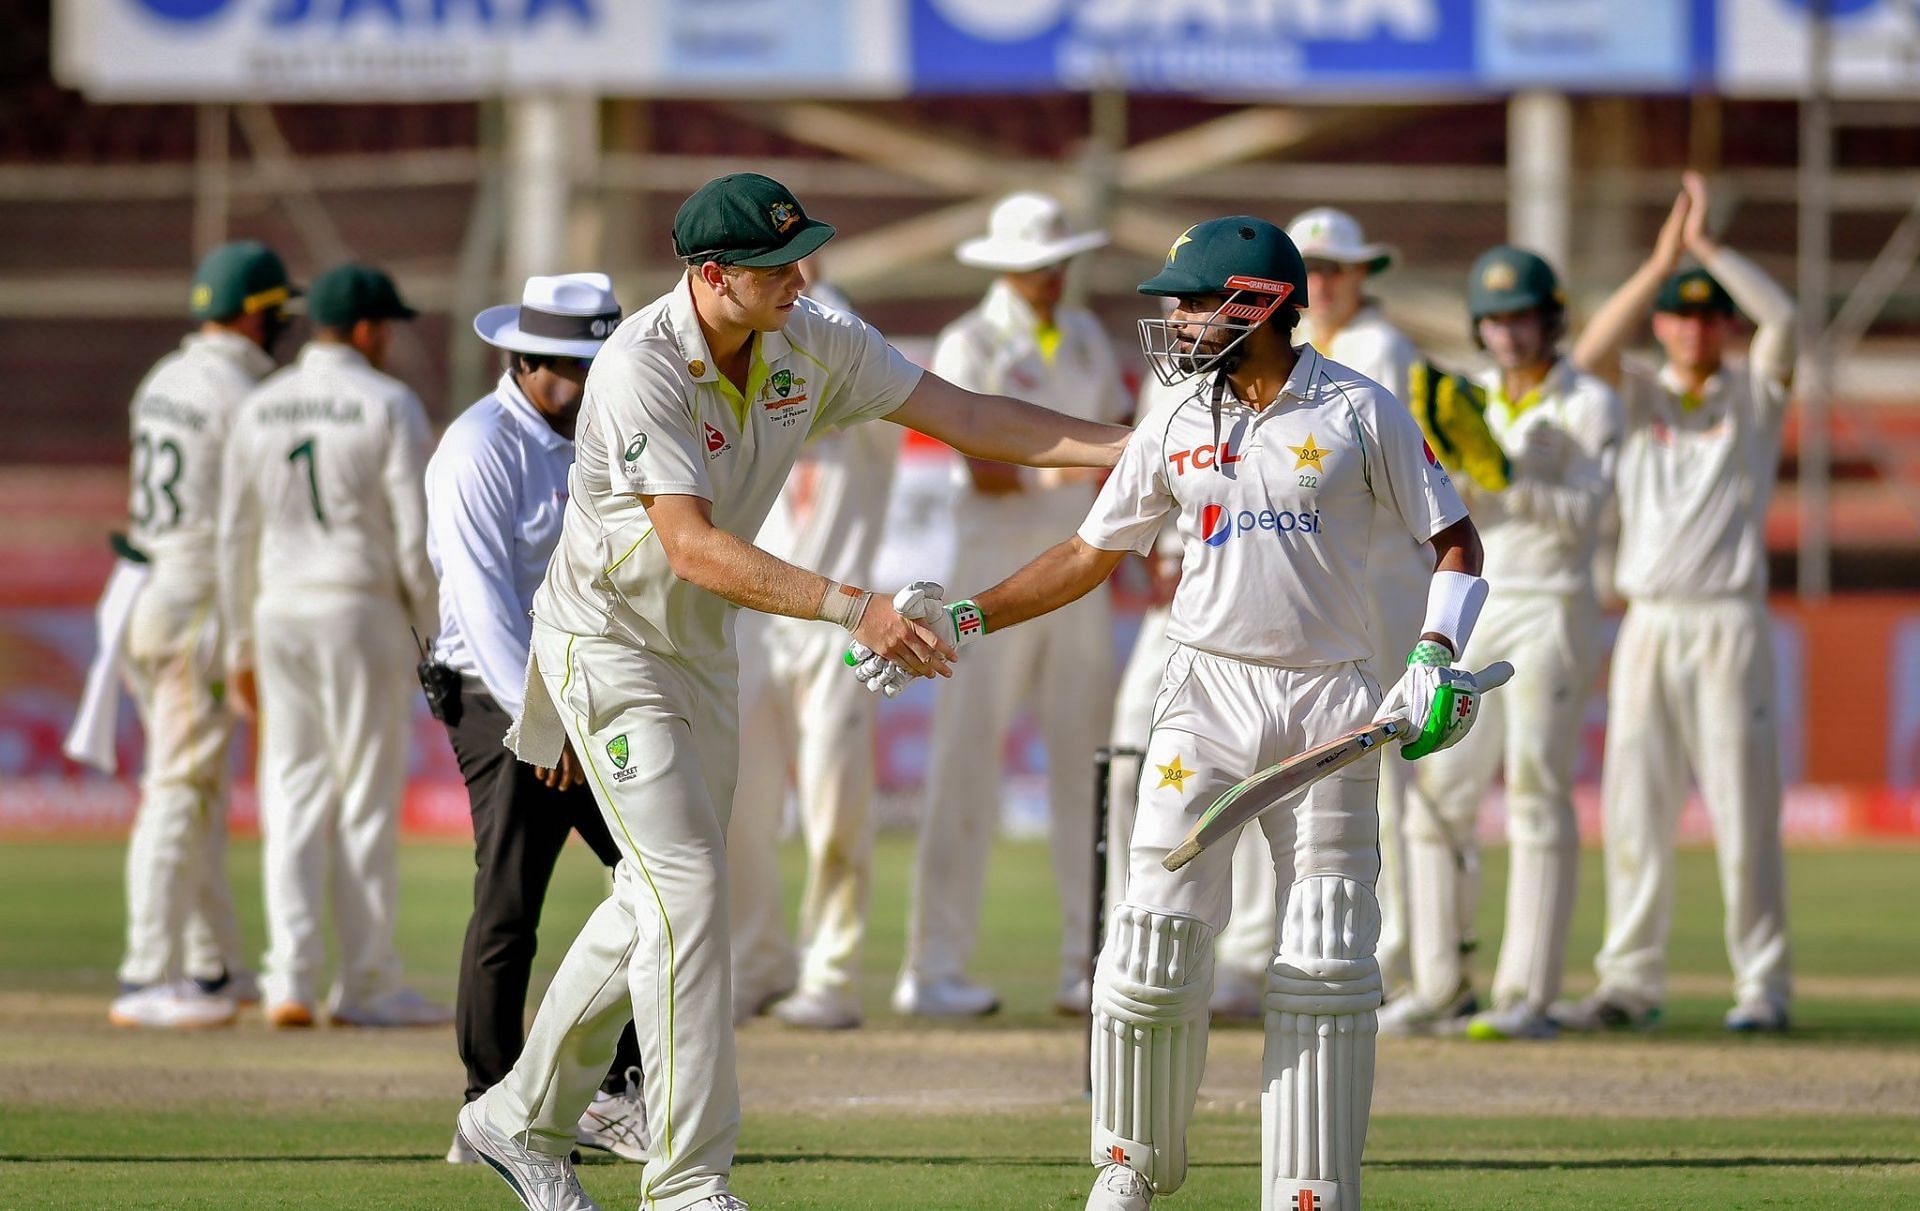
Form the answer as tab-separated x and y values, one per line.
813	725
1273	657
323	567
1560	431
1348	327
695	413
1020	340
183	965
1693	674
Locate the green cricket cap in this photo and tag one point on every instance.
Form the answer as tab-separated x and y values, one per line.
1238	252
343	296
1694	291
237	279
748	219
1507	279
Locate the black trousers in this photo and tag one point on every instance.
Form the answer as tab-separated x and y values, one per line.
519	826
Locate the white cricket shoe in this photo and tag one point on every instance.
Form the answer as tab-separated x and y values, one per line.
1516	1021
1119	1188
1603	1011
1408	1017
459	1153
181	1005
540	1181
402	1007
752	1000
1237	996
1764	1016
820	1009
617	1122
947	997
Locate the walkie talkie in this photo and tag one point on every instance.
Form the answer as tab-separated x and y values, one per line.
441	683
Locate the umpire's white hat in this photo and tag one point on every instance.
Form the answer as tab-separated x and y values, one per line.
1326	234
1026	231
566	315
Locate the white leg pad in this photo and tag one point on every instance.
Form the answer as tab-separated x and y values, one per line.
1149	1040
1317	1088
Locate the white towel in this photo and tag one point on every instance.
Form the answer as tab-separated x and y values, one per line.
537	736
96	724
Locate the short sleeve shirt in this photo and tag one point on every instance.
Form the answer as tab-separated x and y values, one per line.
659	419
1275	508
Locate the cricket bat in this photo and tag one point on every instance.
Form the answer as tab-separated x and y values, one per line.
1253	796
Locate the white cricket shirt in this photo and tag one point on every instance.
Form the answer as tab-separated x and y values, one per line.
996	349
181	415
659	419
1540	534
1276	508
322	491
496	494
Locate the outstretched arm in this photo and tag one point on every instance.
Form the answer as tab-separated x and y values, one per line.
1058	576
1007	430
1619	318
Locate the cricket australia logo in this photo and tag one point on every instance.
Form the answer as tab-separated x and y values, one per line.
784	397
618	753
784	216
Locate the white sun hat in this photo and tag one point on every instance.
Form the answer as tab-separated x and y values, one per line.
1326	234
1026	231
565	315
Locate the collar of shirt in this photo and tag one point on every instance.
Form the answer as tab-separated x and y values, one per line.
323	352
233	347
1554	384
767	348
1669	378
1298	387
527	416
1021	329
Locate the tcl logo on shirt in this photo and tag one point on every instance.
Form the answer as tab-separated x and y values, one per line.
1218	523
1217	456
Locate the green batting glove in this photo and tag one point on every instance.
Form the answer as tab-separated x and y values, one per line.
1438	700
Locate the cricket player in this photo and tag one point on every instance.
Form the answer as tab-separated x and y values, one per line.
1021	340
1560	431
323	568
1693	672
183	965
1347	326
1273	657
496	491
694	415
813	726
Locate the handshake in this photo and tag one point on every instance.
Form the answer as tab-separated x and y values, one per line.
954	625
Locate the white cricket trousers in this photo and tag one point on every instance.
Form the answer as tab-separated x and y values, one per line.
180	914
1693	691
1062	666
335	679
1132	721
809	723
1530	731
659	740
1246	944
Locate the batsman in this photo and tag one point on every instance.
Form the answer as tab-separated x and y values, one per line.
1271	466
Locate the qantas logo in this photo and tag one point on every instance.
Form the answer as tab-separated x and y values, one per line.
1219	524
1206	455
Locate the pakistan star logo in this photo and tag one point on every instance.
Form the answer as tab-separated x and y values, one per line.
1186	237
617	749
1174	774
1309	455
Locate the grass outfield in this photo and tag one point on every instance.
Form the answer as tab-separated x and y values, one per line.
985	1115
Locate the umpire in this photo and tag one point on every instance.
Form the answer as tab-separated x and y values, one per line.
496	493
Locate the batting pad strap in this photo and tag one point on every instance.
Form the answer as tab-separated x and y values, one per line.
843	605
1325	963
1453	606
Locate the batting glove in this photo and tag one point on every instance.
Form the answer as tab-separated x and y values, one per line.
1438	701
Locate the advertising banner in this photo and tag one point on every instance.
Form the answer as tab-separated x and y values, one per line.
208	50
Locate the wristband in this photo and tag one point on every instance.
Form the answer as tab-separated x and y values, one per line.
1453	606
843	605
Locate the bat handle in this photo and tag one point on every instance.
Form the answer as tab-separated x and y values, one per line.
1493	676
